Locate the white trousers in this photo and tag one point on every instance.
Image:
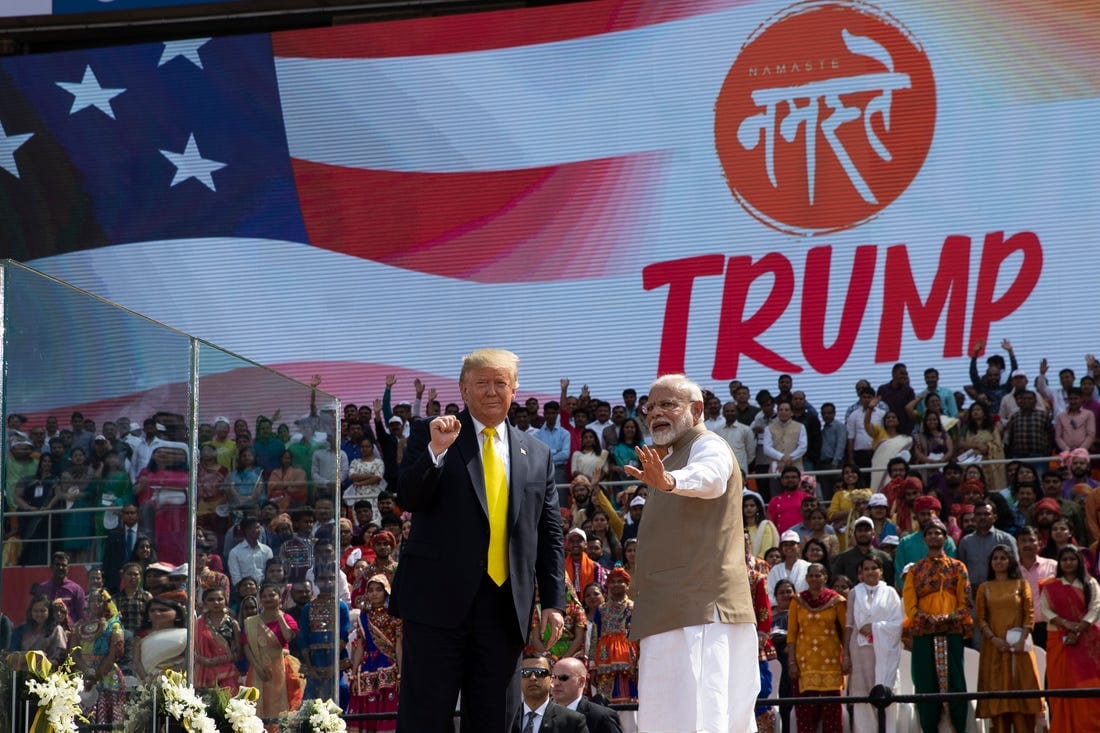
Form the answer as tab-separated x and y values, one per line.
699	679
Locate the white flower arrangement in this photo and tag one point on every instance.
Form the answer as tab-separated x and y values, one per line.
324	716
180	701
58	693
139	709
207	713
241	712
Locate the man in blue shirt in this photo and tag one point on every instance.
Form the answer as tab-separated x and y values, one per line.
947	397
557	439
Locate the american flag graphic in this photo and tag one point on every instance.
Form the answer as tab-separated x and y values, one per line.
385	197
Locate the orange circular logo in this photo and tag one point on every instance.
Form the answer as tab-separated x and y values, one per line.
826	116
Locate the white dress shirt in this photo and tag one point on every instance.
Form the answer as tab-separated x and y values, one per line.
143	452
713	423
246	561
539	713
741	440
710	463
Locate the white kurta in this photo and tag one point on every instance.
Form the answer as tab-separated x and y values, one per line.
875	661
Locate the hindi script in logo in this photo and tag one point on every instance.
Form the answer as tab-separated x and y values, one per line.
826	117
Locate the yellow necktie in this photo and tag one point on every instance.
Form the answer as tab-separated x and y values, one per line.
496	501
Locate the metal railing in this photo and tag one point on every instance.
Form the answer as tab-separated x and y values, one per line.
881	698
817	473
46	515
92	539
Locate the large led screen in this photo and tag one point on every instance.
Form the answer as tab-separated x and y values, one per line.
612	189
13	8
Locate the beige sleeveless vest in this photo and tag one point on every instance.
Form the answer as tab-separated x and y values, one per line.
785	438
691	554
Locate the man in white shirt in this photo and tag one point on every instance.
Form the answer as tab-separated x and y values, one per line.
249	558
128	433
739	436
859	441
325	517
602	423
759	424
325	472
860	386
540	714
144	448
522	421
713	416
1056	398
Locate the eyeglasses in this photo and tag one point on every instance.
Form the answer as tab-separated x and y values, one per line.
663	405
562	677
527	672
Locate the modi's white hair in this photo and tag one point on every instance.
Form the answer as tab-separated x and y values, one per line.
680	384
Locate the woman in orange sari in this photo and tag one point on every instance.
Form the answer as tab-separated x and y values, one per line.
217	645
1070	603
272	670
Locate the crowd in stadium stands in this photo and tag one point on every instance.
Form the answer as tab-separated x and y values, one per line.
897	516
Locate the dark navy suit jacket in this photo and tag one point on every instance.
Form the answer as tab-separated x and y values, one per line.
444	560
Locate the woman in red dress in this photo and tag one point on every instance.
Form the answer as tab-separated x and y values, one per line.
1070	603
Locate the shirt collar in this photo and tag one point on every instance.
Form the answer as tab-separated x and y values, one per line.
540	710
502	428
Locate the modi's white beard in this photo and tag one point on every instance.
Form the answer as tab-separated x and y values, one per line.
670	434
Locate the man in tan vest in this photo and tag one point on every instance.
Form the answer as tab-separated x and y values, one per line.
693	613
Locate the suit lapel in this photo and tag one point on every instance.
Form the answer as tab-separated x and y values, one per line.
548	717
470	452
517	466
